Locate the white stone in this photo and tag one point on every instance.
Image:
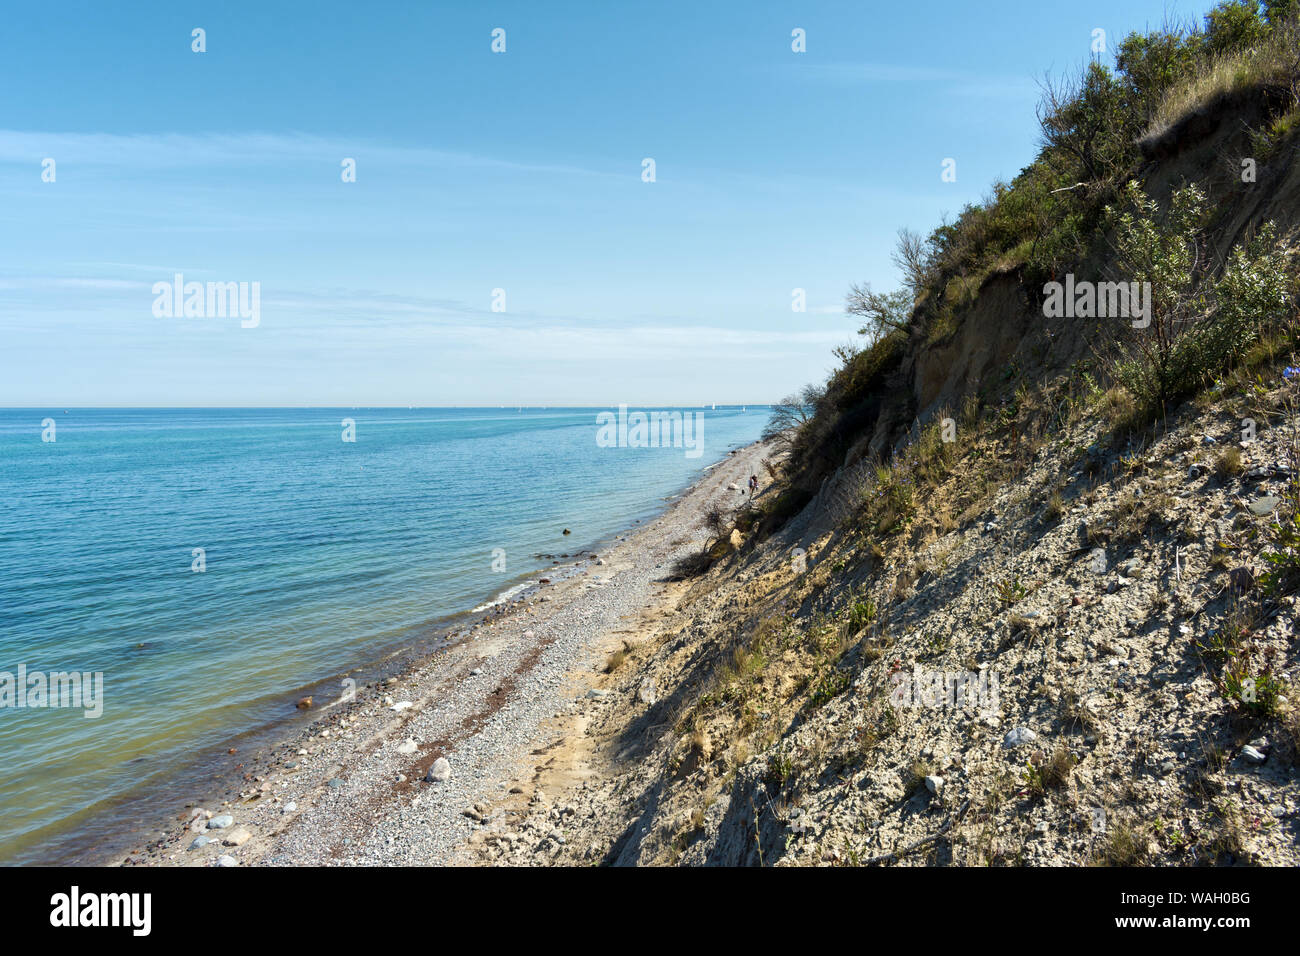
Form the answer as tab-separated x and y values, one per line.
1018	736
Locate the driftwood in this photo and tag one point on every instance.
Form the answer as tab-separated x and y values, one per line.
938	835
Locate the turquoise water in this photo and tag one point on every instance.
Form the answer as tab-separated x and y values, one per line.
319	555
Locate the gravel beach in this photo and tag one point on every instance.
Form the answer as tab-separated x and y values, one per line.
409	768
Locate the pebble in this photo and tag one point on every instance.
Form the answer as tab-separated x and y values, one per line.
1018	737
200	842
934	784
1252	755
1264	506
440	771
237	837
407	746
227	860
221	822
648	692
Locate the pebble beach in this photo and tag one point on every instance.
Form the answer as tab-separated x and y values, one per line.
409	768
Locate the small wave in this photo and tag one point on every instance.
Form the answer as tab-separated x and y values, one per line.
502	598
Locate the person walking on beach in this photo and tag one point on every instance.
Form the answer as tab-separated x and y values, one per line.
753	485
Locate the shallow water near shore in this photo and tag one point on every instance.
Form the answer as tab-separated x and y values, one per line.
318	555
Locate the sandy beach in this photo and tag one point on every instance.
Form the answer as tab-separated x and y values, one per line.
360	784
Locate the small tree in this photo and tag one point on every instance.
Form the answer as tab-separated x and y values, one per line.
793	413
1086	121
881	313
914	258
715	520
885	312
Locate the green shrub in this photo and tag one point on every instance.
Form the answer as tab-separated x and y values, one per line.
865	372
1198	322
1150	65
1233	26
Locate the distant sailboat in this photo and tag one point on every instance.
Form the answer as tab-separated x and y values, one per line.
715	406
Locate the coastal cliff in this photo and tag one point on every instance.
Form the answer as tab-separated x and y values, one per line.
1022	592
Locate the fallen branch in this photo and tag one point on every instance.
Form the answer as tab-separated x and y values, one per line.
938	835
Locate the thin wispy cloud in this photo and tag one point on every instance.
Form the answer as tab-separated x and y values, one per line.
193	151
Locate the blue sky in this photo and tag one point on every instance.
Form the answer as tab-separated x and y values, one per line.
477	171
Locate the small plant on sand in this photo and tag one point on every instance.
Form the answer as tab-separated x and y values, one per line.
1259	695
861	615
1049	771
917	771
1076	712
1010	590
1124	845
780	767
1229	464
1228	836
829	686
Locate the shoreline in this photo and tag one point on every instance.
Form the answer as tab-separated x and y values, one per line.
498	670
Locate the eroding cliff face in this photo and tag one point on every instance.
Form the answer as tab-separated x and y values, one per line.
1002	336
1003	327
1100	602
